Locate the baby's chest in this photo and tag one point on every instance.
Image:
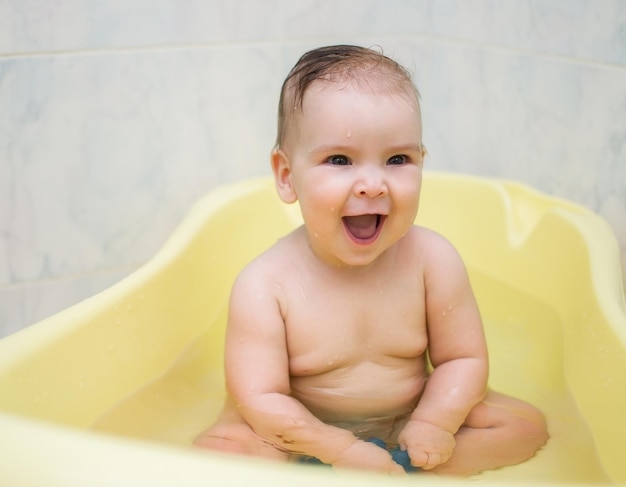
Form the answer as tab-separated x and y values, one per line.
342	332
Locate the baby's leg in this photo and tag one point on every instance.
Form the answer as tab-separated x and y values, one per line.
233	435
499	431
237	438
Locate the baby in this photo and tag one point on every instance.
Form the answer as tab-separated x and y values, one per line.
360	324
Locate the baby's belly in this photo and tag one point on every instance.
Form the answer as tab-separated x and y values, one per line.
367	399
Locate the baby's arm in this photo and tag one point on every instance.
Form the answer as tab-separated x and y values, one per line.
457	351
257	377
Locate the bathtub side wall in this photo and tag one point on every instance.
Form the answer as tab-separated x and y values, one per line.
143	325
116	115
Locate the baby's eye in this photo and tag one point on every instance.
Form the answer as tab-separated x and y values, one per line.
398	160
338	160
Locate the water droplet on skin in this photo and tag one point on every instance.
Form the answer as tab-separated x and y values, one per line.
349	134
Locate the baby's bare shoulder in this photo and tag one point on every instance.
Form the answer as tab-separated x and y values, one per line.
429	242
272	267
437	256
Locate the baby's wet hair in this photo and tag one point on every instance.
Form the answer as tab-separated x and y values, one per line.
367	67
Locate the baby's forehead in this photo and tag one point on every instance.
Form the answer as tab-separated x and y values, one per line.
298	100
317	92
323	110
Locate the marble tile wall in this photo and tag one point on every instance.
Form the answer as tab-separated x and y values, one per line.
116	115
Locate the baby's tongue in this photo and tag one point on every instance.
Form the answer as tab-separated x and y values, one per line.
361	226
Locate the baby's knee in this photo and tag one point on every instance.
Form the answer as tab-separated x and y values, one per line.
531	428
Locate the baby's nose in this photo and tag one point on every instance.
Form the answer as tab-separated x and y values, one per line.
371	183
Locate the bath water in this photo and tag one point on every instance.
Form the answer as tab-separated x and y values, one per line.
526	355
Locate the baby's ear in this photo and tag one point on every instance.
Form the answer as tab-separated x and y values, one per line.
281	166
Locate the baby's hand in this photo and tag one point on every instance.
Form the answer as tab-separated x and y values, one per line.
428	445
368	456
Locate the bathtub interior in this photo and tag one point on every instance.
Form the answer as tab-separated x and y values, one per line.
139	366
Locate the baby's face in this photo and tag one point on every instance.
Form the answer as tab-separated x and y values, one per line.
355	164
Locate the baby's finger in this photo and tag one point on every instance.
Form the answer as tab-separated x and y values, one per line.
419	458
434	459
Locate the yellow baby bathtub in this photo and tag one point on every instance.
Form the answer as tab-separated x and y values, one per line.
111	391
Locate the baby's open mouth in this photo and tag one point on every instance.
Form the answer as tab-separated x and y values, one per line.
363	227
